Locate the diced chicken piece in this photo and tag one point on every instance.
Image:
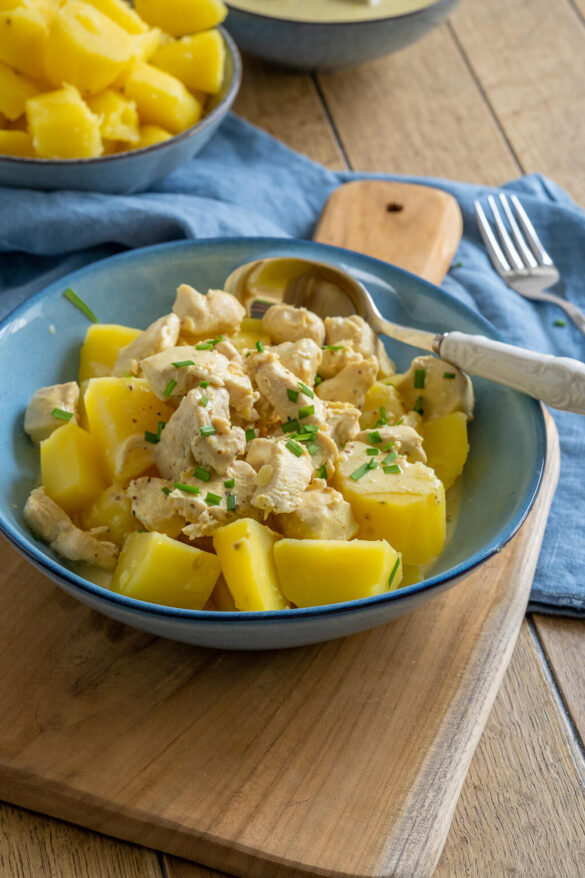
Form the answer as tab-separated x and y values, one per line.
199	432
342	421
159	336
363	339
207	316
322	514
152	507
333	361
281	475
436	388
211	366
325	454
228	350
204	517
302	358
352	383
287	323
54	526
39	420
280	387
404	440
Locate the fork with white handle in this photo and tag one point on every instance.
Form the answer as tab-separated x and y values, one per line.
518	256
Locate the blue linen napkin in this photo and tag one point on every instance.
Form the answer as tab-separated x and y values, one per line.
247	183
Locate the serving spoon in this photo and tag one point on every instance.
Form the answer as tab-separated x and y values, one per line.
329	291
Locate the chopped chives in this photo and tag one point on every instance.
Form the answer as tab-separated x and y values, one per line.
449	375
393	469
374	437
259	346
217	340
361	471
62	415
318	380
204	346
390	457
399	422
560	322
309	428
154	438
332	347
371	452
322	472
170	387
419	378
418	406
312	448
204	384
382	420
291	426
248	353
250	434
72	297
208	430
306	411
306	390
388	446
294	447
212	499
127	375
204	400
393	572
166	491
293	395
180	364
202	473
187	489
232	502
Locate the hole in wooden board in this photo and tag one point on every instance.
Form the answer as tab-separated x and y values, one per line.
394	207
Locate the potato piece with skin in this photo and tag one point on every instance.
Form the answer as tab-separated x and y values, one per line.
99	351
197	60
17	143
119	116
315	573
70	470
181	17
447	446
85	48
15	90
24	33
111	512
155	568
245	550
51	114
405	506
162	99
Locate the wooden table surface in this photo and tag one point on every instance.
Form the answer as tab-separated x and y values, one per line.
494	93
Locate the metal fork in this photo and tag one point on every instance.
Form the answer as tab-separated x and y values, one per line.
518	256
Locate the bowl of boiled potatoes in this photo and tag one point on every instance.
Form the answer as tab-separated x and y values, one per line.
101	95
250	482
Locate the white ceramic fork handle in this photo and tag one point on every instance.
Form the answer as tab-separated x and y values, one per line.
557	381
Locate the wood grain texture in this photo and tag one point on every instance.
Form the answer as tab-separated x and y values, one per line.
415	227
564	644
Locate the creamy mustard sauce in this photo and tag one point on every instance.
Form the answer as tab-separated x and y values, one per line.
330	10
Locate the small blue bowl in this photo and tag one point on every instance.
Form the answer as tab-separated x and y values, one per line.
330	45
499	485
135	170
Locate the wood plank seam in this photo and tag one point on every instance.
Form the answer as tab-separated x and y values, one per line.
334	129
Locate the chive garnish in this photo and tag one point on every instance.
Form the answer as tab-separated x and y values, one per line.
204	400
291	426
399	422
360	472
418	406
449	375
72	297
374	437
217	340
229	483
154	438
250	434
322	472
293	395
188	489
306	411
259	346
202	473
232	502
393	572
419	378
318	380
181	363
306	390
204	384
312	448
388	446
204	346
309	428
166	491
208	430
294	447
388	460
332	347
170	387
371	452
560	322
382	420
392	470
62	415
212	499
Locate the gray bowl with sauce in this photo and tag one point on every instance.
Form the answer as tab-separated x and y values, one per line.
329	35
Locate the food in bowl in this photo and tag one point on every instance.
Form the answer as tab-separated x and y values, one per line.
330	10
216	461
86	78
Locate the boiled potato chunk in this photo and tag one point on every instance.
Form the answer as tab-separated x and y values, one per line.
153	567
181	17
317	572
15	90
112	510
245	549
122	13
250	331
119	411
151	134
23	36
87	49
222	598
382	402
197	60
70	468
407	507
162	99
99	352
446	446
17	143
62	125
119	117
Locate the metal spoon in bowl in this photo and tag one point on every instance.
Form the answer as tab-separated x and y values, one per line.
328	291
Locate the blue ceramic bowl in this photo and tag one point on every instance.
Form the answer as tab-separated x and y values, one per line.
132	171
499	484
331	45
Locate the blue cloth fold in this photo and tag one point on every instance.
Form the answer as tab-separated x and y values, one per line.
247	183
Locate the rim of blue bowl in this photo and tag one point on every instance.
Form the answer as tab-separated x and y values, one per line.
222	107
350	22
58	571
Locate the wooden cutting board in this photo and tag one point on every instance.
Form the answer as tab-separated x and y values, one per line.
344	758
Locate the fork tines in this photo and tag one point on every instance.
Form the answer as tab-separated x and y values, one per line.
516	247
